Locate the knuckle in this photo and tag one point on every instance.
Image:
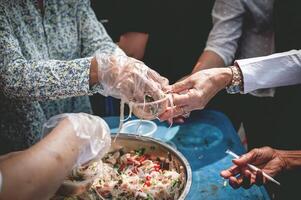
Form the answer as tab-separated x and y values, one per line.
255	152
267	149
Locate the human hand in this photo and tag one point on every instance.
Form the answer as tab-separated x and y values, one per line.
194	92
93	132
127	78
181	118
267	159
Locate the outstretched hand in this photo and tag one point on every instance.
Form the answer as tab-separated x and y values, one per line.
267	159
194	92
129	79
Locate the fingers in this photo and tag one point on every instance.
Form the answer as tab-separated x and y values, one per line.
180	107
243	177
256	156
158	78
232	171
181	99
249	157
182	85
247	179
241	181
260	179
177	120
234	182
172	112
191	98
240	175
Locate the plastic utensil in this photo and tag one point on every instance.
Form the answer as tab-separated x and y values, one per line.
252	167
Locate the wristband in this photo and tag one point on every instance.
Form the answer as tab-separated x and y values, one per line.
236	85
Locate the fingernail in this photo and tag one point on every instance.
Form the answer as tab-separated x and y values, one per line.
235	161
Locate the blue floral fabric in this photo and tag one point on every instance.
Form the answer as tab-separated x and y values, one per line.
44	64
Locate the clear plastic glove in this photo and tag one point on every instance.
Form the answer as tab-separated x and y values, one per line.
195	91
93	130
129	79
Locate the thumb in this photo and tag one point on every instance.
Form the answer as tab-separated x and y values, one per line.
182	85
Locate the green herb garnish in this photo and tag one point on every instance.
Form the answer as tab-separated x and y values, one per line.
149	197
175	182
140	151
148	98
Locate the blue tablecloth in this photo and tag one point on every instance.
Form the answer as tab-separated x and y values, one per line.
203	140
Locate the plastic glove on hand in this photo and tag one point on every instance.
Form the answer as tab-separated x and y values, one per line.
129	79
93	130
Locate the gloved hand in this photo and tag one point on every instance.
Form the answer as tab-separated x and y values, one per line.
93	130
126	78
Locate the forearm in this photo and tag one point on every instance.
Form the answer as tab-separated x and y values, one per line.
292	159
208	59
38	172
42	80
93	76
39	79
134	44
222	43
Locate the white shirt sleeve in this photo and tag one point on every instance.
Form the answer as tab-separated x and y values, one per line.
276	70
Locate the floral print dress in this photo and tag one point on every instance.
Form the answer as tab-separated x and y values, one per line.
44	65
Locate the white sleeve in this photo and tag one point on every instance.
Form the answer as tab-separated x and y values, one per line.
276	70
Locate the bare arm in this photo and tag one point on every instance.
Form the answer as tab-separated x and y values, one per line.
134	44
222	43
209	59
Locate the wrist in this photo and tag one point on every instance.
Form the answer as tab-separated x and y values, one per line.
236	84
198	66
291	159
93	72
224	76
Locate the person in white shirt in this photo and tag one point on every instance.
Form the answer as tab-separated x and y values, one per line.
247	75
242	29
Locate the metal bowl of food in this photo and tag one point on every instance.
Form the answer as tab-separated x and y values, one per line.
142	153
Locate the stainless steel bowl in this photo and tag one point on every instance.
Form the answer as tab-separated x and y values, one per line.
132	142
158	148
